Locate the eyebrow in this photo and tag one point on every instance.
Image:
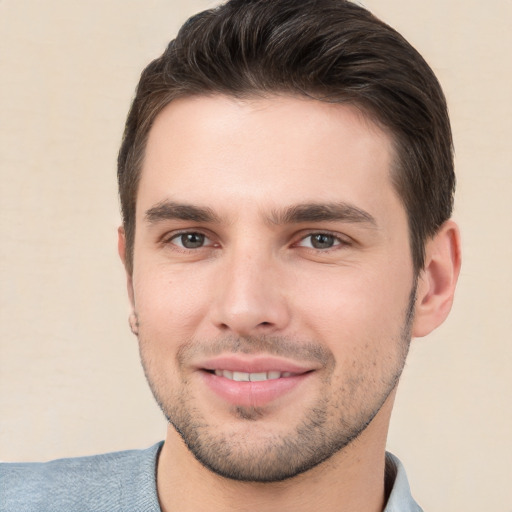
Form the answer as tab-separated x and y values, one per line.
322	212
295	214
170	210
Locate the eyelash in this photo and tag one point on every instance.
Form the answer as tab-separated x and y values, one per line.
339	241
169	240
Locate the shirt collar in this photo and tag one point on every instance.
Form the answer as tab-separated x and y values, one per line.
400	498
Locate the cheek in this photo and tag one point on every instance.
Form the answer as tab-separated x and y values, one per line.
351	308
168	303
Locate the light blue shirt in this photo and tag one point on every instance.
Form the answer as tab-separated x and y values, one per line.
121	482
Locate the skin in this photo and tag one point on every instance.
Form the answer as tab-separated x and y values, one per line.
243	274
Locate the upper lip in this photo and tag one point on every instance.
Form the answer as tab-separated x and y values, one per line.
254	364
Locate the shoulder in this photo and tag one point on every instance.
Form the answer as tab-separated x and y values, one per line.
113	481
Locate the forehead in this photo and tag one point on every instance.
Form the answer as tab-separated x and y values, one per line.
272	150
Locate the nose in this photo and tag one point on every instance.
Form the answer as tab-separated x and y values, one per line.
250	298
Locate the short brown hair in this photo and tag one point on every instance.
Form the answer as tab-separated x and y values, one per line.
329	50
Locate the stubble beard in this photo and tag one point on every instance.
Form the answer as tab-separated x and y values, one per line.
325	428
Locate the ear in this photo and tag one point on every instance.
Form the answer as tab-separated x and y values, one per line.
436	283
121	249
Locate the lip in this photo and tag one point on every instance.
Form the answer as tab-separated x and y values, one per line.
253	394
253	364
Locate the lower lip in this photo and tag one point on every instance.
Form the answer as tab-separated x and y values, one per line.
252	394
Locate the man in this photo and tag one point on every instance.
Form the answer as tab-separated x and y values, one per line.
286	181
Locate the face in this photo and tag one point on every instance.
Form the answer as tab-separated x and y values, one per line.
272	281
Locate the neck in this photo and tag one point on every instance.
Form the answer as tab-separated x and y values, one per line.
351	480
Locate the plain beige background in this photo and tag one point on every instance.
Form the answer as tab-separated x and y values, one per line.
70	381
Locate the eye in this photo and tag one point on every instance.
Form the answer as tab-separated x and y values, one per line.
320	241
190	240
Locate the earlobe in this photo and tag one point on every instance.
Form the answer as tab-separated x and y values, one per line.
437	281
133	321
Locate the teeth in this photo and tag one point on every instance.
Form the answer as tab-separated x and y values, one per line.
241	376
255	377
224	373
251	377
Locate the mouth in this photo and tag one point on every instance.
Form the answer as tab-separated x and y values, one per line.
254	382
252	377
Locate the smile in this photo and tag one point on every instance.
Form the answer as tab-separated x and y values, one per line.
252	377
256	388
